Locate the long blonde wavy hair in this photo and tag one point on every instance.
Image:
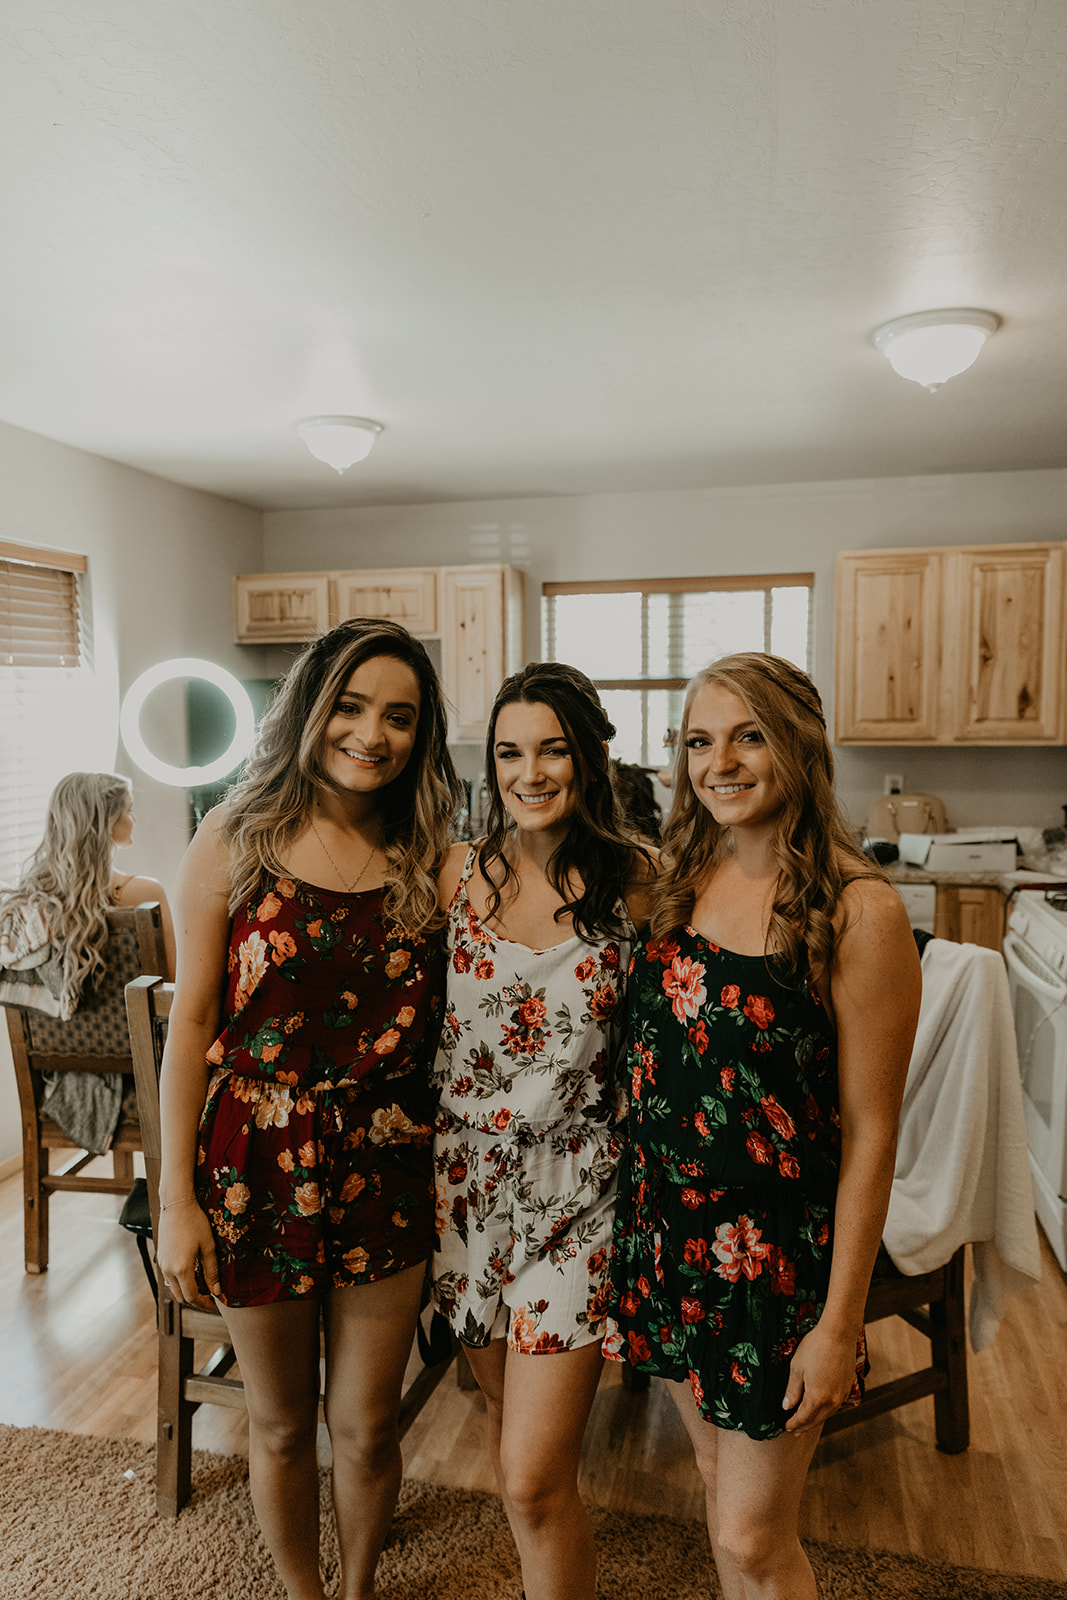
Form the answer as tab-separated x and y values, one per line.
813	847
271	804
69	876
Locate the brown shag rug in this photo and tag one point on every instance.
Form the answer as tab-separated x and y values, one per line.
78	1522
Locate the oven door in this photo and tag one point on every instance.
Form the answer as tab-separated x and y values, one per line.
1039	1007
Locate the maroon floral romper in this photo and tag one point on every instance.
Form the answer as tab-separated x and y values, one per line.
315	1158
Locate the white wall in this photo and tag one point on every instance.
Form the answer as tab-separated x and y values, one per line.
679	533
160	561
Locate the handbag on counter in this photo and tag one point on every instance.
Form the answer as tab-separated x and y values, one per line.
894	814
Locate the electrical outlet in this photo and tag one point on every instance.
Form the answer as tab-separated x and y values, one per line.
893	783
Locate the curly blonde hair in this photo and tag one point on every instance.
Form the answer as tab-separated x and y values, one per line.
68	879
265	810
813	847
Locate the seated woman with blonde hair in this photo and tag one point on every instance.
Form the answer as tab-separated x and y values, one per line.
54	930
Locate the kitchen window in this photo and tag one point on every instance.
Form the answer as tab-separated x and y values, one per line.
44	679
641	640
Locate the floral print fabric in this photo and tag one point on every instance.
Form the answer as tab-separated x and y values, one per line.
724	1219
527	1140
314	1161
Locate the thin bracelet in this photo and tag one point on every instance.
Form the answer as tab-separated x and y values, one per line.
190	1200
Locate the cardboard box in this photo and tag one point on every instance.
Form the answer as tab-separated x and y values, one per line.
974	850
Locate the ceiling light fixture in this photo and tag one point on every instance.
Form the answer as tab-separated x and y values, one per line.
339	441
933	346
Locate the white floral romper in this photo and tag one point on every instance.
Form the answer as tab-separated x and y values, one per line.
528	1137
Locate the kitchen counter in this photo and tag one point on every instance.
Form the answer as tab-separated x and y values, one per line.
900	872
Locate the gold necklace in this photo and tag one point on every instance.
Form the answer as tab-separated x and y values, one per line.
351	888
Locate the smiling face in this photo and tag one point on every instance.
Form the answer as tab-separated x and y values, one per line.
730	767
534	767
371	731
122	832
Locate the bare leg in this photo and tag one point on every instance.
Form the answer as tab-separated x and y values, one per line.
753	1489
369	1333
278	1352
538	1407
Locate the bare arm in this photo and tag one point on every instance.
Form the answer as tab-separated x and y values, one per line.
875	988
203	942
134	892
450	873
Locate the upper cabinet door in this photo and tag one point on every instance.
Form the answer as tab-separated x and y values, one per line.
402	594
1009	646
888	659
280	607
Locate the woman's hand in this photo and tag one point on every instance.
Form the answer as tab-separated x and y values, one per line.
821	1376
185	1255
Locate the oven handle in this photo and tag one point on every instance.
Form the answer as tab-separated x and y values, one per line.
1026	974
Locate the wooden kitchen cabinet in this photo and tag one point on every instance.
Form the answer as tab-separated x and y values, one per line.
482	641
280	607
970	915
951	645
402	594
475	614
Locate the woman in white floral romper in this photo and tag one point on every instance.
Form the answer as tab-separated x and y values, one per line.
541	921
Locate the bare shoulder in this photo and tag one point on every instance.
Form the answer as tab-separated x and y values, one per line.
874	942
136	890
450	872
873	906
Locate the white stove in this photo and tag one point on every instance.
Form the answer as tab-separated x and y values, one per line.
1035	949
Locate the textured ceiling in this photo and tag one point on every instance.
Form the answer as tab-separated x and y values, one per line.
555	247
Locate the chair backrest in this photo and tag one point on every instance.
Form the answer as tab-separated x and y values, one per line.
148	1003
96	1038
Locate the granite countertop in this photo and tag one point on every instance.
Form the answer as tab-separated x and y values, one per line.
900	872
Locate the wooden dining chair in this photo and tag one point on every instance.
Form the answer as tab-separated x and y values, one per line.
184	1384
95	1039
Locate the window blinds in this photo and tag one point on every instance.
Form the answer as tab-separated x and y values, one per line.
43	668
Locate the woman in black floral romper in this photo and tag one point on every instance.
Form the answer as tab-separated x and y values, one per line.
771	1020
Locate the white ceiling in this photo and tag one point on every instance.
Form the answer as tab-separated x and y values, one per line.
555	246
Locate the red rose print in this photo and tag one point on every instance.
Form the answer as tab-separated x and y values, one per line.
639	1349
457	1171
783	1272
788	1165
698	1036
691	1198
501	1119
533	1011
700	1123
609	958
758	1009
629	1303
642	1287
461	960
695	1252
740	1249
759	1149
737	1375
483	969
602	1002
777	1116
692	1310
726	1078
730	996
697	1388
683	984
585	969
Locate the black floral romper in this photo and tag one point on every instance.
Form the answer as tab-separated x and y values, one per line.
724	1218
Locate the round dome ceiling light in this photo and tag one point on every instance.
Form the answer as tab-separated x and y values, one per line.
932	346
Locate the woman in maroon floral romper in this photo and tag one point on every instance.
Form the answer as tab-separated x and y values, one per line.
771	1020
296	1095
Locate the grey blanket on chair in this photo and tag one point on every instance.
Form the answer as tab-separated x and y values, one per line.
86	1105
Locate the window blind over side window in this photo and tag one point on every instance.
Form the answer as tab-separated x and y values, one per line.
44	676
641	641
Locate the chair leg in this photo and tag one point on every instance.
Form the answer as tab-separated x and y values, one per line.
146	1262
174	1423
948	1343
35	1206
123	1166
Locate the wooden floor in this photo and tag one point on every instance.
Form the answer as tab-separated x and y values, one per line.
79	1354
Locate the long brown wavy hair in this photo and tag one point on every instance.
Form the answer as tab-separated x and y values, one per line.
813	847
597	851
271	804
68	878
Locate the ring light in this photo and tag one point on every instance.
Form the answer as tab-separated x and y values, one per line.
165	672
